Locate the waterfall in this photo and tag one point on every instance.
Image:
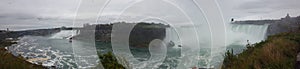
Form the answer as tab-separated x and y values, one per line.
236	34
210	56
244	32
255	30
64	34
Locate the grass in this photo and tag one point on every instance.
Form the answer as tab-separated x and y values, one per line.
277	52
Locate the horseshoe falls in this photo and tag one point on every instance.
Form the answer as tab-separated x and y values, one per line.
253	33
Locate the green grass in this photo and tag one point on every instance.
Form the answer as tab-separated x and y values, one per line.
277	52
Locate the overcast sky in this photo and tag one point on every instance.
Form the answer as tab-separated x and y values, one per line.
31	14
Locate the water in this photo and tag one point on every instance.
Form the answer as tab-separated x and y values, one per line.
57	51
253	33
61	53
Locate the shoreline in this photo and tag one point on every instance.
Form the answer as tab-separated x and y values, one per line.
9	61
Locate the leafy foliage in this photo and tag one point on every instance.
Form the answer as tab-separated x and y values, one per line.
109	61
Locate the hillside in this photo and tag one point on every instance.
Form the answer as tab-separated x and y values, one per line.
276	52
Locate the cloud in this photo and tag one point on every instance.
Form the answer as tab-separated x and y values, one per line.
258	9
36	13
269	9
53	13
268	5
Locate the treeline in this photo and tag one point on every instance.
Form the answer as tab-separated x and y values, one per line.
110	61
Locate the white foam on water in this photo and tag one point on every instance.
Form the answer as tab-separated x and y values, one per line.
65	34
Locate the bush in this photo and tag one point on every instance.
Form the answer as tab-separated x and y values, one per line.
109	61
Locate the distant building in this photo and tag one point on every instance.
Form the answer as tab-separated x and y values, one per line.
287	17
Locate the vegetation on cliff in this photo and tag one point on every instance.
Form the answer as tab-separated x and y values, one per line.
277	52
109	61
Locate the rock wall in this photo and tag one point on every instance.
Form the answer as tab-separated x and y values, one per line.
140	36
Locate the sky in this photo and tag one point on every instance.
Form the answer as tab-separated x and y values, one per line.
32	14
259	9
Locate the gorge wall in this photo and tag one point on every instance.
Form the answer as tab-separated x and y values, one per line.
140	36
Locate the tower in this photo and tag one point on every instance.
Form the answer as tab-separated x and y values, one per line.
287	16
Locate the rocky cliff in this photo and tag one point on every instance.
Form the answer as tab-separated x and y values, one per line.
140	36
